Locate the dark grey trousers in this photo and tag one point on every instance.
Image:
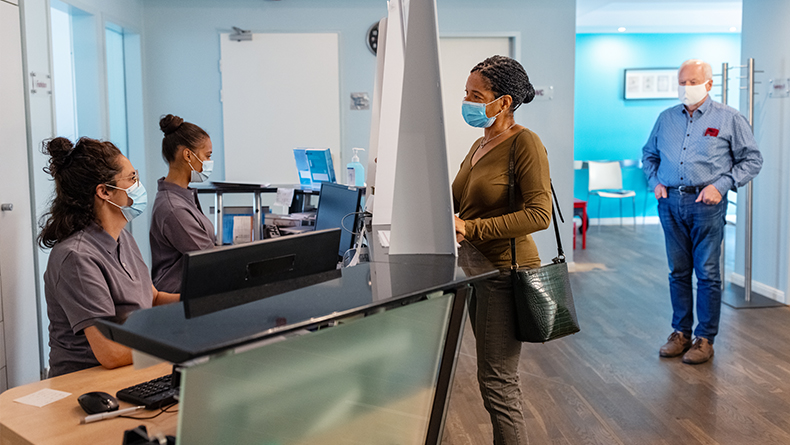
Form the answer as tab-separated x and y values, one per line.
492	313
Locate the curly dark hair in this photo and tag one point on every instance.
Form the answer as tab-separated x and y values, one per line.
179	133
507	76
77	170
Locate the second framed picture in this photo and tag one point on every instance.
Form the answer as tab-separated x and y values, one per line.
651	83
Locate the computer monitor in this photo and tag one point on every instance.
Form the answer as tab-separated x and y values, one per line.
337	207
225	277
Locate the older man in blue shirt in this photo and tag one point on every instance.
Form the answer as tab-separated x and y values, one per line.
696	152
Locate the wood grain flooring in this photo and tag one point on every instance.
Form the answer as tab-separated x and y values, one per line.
607	384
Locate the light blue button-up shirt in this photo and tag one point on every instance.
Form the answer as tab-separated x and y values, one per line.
714	145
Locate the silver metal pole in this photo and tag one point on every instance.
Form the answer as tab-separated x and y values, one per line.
256	220
724	75
218	214
747	275
725	72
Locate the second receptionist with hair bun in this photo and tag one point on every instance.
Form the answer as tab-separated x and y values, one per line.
178	223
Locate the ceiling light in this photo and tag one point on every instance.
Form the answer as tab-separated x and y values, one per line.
621	29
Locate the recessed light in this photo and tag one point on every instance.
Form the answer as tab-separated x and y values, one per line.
622	29
733	29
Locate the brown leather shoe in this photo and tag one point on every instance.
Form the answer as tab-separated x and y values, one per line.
676	344
701	351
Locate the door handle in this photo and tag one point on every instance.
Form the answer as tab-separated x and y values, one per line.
6	207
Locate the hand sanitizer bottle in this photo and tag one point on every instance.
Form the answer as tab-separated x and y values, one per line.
355	172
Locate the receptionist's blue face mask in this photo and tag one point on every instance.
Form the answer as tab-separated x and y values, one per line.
475	114
201	176
139	198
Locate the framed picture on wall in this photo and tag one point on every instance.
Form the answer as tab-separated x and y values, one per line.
651	83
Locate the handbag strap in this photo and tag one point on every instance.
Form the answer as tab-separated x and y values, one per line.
512	198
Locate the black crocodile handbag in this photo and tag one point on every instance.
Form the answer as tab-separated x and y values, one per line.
544	300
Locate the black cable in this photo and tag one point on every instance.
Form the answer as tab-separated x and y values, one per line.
161	411
343	219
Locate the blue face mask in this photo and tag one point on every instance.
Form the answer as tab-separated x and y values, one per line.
139	198
201	176
475	114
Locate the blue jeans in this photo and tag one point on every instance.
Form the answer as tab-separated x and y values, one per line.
693	232
492	312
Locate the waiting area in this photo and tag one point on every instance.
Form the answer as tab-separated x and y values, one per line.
607	384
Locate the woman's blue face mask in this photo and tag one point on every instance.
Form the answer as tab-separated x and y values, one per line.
201	176
139	199
475	114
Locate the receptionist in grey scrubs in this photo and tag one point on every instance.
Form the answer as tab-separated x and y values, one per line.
179	224
95	269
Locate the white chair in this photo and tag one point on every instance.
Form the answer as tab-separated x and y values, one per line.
606	181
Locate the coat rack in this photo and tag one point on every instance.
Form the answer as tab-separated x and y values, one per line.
735	296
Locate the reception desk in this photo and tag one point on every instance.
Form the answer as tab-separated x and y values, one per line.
367	357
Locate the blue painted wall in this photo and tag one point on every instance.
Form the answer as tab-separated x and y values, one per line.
607	127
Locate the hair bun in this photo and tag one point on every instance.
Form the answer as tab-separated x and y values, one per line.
530	93
59	147
59	151
170	123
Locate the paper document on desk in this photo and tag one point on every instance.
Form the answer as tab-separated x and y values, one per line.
384	238
242	229
284	197
42	397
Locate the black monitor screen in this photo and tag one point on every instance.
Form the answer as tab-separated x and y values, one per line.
224	277
338	203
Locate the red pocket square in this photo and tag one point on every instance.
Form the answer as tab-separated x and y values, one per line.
712	132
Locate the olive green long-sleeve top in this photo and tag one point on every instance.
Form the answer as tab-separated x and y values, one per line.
480	196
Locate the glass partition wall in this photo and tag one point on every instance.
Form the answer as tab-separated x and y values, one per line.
366	380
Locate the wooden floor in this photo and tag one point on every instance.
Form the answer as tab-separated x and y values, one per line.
607	384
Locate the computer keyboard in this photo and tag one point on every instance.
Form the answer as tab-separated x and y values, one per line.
154	394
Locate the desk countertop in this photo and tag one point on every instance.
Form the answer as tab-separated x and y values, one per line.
242	187
165	332
59	422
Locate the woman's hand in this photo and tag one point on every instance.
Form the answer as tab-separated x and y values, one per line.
161	298
460	229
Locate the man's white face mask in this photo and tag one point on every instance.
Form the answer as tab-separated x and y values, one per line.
692	94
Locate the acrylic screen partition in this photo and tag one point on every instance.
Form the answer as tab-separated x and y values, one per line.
367	380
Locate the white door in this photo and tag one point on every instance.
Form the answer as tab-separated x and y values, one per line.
280	91
458	56
18	326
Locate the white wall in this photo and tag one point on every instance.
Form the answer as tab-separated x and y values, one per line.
764	34
19	353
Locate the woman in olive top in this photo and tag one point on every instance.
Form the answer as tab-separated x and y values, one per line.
179	225
95	270
495	88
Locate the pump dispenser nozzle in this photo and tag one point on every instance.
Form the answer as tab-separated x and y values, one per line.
355	158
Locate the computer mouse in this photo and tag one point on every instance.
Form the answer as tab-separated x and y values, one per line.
97	402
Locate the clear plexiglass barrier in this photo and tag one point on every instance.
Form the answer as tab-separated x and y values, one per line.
367	380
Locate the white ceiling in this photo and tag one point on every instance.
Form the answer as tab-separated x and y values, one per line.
655	16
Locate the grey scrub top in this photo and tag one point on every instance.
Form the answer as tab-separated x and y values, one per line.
178	226
90	276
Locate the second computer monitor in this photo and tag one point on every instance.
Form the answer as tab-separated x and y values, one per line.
224	277
337	208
